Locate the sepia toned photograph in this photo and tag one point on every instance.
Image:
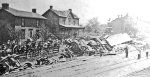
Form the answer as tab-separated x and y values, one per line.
74	38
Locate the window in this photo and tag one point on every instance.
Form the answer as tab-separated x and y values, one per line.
37	23
22	33
37	34
69	21
22	22
30	31
74	22
64	21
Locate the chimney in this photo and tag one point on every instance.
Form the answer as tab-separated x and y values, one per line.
5	6
70	10
51	7
34	10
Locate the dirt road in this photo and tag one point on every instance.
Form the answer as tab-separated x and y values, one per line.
89	66
141	73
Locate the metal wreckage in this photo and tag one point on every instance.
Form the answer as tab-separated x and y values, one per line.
109	45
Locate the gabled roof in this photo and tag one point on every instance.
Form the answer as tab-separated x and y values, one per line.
24	13
63	13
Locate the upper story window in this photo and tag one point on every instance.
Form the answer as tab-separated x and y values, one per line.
69	21
64	21
37	23
77	22
22	22
74	22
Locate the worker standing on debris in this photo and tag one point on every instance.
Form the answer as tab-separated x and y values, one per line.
101	51
8	44
126	51
39	47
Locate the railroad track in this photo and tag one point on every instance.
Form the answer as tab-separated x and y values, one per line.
20	73
97	72
79	67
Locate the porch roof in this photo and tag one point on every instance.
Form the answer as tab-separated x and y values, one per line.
72	26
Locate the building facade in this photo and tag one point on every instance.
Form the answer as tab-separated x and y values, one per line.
62	23
26	23
122	24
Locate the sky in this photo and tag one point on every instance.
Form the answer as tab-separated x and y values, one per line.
87	9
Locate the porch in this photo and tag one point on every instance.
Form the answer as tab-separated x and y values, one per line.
72	31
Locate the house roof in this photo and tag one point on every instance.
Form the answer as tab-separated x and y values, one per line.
24	13
62	13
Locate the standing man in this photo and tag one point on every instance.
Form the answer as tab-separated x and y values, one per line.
126	51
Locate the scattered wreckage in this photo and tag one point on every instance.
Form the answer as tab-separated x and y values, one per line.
11	63
114	44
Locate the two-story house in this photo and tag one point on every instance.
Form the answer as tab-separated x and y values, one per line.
62	23
27	23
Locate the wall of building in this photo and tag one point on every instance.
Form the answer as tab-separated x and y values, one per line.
65	21
71	21
118	26
69	32
5	16
76	21
27	31
52	21
68	21
62	20
28	22
16	22
29	25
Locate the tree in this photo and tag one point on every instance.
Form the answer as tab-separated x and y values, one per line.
93	24
45	33
17	35
88	29
6	32
94	27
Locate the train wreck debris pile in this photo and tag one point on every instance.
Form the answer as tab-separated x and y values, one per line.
56	51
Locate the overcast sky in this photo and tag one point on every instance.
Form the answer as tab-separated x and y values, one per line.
86	9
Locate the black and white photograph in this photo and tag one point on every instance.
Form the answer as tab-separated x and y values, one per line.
74	38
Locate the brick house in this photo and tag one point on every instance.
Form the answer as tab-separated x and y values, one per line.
62	23
27	23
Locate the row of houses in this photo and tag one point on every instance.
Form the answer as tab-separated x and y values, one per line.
60	23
